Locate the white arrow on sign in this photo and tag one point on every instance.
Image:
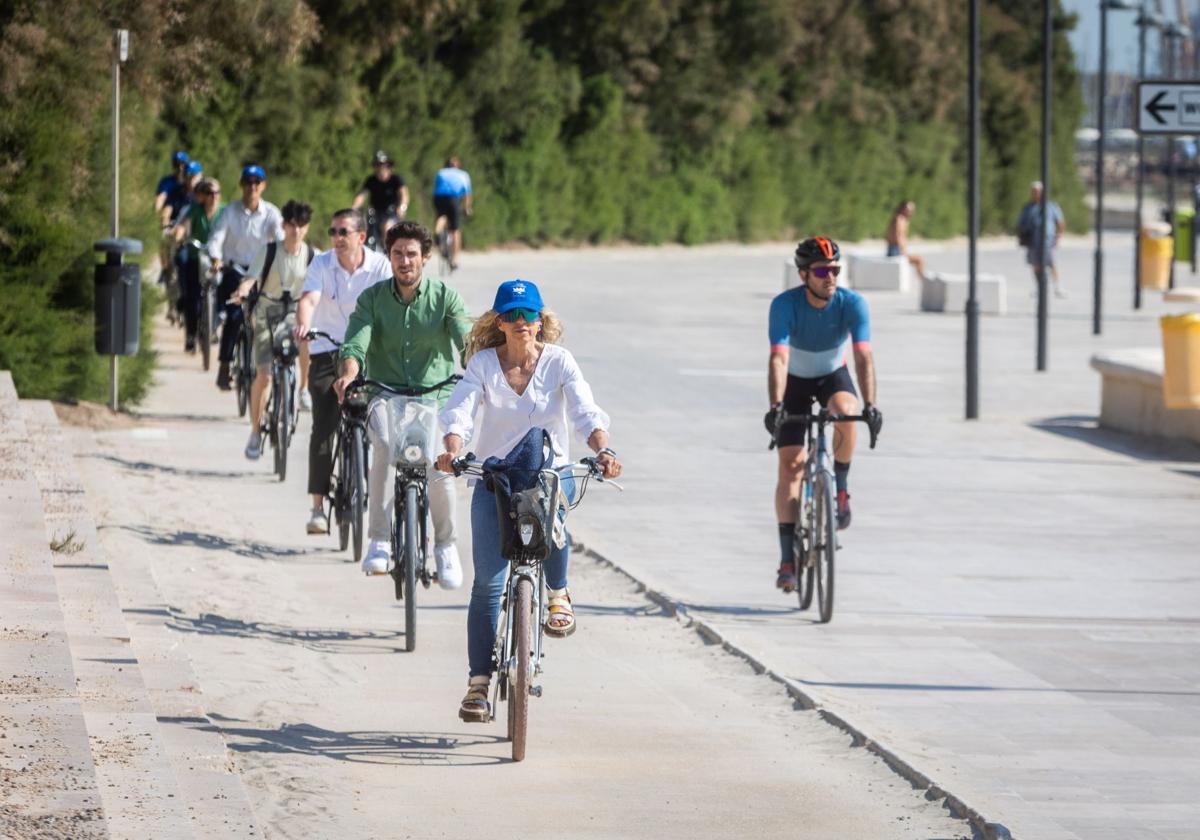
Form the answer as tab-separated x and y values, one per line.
1168	108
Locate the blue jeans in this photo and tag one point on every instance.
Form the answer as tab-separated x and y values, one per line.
491	573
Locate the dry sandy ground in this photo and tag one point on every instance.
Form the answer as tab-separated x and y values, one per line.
643	729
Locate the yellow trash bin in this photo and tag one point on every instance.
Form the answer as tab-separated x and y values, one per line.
1181	360
1155	269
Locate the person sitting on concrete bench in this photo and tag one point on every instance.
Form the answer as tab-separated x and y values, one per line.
897	235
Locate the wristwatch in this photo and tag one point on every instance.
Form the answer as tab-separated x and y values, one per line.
607	451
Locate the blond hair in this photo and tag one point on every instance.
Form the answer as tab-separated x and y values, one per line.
486	332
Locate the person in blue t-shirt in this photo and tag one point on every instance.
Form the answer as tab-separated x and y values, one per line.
1030	233
451	198
810	327
170	197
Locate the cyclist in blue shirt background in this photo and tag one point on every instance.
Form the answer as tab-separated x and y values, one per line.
810	328
170	197
451	198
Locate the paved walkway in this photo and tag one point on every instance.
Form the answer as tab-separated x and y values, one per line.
295	660
1018	603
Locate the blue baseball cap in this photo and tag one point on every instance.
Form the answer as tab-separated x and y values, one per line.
517	294
193	168
253	171
179	157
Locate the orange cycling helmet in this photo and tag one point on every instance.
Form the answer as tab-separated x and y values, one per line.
816	249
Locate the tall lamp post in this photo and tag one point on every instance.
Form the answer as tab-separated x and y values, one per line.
1145	20
1047	57
1174	33
1097	280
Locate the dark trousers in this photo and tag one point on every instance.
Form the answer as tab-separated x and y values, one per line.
189	294
233	313
322	370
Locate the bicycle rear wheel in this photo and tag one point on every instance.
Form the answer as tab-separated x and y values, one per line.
341	491
411	535
518	695
206	330
824	544
357	489
239	375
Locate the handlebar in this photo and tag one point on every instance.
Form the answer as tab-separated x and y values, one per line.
821	418
402	391
315	334
467	465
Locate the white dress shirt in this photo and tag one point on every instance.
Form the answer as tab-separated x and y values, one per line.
238	234
556	396
339	291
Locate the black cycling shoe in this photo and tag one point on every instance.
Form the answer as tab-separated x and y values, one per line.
843	510
787	578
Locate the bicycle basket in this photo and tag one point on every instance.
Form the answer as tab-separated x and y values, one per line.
532	521
412	430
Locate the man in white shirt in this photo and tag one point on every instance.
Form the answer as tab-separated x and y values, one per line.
240	231
331	288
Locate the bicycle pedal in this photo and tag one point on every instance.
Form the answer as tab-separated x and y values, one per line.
535	691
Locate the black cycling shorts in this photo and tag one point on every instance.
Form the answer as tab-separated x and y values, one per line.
798	399
449	206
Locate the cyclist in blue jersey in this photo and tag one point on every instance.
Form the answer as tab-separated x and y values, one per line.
451	198
811	327
170	197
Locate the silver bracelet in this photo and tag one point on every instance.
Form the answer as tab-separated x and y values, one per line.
607	451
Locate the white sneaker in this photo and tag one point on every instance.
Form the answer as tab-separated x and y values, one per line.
1059	293
449	570
254	446
317	522
379	552
305	400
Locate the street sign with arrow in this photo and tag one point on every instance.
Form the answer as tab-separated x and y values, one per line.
1168	108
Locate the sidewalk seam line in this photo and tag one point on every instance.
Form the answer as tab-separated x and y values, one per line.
959	808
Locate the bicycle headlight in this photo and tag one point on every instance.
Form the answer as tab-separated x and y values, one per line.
413	453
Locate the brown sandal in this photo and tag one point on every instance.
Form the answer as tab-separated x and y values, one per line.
560	609
474	707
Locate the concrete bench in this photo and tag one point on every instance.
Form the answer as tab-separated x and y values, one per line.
948	293
880	274
1131	396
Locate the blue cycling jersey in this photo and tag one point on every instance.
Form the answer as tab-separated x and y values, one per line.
816	338
452	181
177	194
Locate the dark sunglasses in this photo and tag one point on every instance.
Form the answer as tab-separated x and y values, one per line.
342	231
530	315
824	271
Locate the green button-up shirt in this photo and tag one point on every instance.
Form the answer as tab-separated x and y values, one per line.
408	344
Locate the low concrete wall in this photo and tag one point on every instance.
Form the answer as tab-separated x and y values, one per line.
948	293
1131	397
880	274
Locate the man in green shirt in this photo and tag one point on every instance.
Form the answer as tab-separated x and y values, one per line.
405	333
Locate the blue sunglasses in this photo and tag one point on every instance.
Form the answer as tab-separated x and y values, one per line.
530	315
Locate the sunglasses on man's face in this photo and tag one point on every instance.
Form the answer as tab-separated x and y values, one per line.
529	315
342	231
825	271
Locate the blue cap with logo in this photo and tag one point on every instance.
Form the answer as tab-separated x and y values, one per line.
517	294
193	168
179	157
253	171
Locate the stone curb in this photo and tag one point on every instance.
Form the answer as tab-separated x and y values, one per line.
981	826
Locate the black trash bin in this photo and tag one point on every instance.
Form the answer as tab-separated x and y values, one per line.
118	298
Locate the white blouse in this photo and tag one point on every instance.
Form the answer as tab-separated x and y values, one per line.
555	396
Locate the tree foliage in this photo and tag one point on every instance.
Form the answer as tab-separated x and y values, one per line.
635	120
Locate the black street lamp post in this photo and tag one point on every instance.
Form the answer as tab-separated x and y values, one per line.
1174	34
1145	20
1097	279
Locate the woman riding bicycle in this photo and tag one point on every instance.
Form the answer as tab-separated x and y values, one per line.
522	380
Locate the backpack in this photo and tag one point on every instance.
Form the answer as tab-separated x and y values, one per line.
271	248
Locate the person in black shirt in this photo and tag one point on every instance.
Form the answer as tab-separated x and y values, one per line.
387	199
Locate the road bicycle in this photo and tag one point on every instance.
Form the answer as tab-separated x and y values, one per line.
346	498
534	526
816	542
283	411
411	419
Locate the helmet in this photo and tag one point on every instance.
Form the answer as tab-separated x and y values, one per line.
381	157
816	249
179	157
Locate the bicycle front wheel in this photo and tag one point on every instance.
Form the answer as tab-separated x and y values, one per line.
206	330
518	693
411	535
805	581
357	489
283	425
239	374
825	544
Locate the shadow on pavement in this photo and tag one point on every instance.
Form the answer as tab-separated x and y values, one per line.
1086	429
166	469
173	417
884	686
316	639
447	749
214	542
